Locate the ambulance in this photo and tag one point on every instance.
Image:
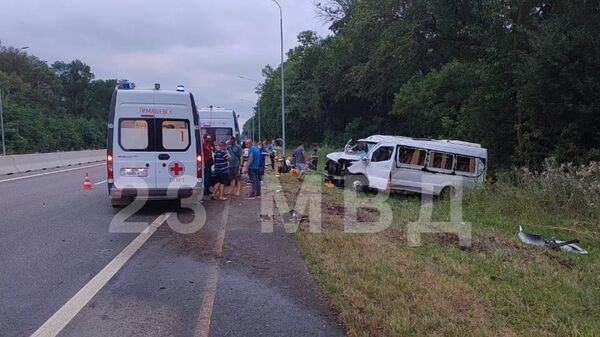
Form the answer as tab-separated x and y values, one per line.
154	147
219	123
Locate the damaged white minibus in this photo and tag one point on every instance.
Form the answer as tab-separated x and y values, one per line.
405	164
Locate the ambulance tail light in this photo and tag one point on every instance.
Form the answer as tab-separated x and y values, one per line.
199	165
109	167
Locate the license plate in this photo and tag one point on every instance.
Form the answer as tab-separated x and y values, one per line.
134	172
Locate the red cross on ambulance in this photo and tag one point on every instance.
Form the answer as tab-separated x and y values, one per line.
176	169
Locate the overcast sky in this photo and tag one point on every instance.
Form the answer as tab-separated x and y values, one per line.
203	44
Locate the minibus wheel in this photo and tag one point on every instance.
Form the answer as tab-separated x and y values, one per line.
358	183
447	193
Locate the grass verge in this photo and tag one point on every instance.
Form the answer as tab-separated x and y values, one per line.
498	287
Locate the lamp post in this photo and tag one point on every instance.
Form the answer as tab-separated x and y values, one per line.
257	102
282	80
253	117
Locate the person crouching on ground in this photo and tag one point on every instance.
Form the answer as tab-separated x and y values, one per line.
236	153
222	171
253	169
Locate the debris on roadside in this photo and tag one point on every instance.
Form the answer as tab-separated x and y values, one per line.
537	240
292	216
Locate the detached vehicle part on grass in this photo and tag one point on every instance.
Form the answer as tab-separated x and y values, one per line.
402	164
537	240
338	162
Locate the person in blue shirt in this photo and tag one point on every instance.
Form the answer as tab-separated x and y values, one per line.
253	169
271	151
222	158
262	163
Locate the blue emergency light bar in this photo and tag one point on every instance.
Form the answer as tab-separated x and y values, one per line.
127	85
180	88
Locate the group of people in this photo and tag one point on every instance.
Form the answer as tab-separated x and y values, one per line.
231	161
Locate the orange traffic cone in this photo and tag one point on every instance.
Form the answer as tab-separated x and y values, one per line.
87	185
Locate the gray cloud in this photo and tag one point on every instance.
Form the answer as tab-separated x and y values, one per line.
202	44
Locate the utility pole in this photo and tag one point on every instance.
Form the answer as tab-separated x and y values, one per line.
257	102
282	80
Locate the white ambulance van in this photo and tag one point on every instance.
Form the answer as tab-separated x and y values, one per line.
154	147
218	123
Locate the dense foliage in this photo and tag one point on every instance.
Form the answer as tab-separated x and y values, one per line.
519	76
58	107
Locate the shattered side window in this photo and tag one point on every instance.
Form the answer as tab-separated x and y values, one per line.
465	164
411	156
443	161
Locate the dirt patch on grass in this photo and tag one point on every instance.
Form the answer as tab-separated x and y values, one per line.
562	261
378	287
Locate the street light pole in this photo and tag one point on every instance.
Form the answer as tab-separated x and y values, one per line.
253	117
257	102
2	124
282	81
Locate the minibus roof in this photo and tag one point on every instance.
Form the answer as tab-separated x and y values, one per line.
444	145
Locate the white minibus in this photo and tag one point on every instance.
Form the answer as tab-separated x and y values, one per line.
435	167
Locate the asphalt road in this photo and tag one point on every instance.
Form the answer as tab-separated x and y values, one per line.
66	271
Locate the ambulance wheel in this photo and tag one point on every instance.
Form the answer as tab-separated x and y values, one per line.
119	203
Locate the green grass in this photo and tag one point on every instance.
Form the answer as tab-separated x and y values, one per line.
381	287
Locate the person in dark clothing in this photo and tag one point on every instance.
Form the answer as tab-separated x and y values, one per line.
207	154
300	160
314	158
222	158
236	153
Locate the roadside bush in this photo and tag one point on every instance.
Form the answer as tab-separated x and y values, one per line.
562	189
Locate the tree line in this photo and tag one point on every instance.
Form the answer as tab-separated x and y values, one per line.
520	77
58	107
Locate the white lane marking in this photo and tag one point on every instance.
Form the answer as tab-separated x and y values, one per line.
49	173
100	182
208	301
54	325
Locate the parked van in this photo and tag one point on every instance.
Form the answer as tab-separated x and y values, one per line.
421	166
220	124
154	147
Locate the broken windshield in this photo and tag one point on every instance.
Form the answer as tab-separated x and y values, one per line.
361	148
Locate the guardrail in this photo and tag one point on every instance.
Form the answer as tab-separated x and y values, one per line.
41	161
